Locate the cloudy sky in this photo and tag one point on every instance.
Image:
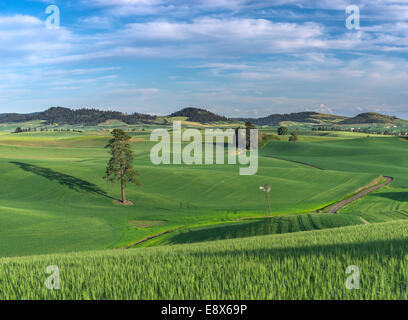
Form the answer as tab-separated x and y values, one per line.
234	57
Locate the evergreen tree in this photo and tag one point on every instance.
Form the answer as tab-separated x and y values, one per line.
120	165
283	131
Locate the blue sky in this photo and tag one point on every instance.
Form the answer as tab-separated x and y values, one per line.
234	57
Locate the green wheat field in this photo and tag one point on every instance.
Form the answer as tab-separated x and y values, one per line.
55	209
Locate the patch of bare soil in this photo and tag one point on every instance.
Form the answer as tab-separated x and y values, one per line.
141	224
148	238
364	220
126	203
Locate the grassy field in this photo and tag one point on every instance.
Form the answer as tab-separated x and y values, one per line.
255	227
303	265
54	201
386	156
383	155
53	198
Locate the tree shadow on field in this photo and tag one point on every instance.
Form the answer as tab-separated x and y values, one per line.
396	196
63	179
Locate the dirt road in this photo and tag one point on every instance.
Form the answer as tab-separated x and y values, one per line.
337	206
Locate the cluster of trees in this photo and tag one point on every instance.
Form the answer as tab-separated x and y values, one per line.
84	116
263	139
199	115
275	119
19	130
91	117
283	131
16	117
323	128
293	136
367	130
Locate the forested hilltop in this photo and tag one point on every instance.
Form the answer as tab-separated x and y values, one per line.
300	117
80	116
199	115
90	117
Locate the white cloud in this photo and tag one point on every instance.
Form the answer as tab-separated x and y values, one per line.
133	91
18	20
248	62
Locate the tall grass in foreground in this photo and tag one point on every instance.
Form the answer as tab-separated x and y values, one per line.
306	265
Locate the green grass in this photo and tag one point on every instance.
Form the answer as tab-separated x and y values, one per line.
303	265
383	156
53	198
383	205
255	227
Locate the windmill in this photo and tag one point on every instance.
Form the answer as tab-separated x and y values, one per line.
267	189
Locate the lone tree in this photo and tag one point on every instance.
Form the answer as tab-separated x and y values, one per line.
120	165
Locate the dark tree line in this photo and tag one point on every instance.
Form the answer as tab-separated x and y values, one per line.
368	130
275	119
84	116
20	130
199	115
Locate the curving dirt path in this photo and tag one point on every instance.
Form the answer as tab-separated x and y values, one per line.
148	238
341	204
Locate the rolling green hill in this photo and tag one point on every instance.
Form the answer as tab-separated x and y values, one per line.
94	117
53	201
386	156
307	117
372	117
53	197
85	116
199	115
303	265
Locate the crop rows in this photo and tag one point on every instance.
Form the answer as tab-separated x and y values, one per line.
306	265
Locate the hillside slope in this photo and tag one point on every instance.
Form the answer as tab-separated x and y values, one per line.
78	205
199	115
304	265
371	117
84	116
300	117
